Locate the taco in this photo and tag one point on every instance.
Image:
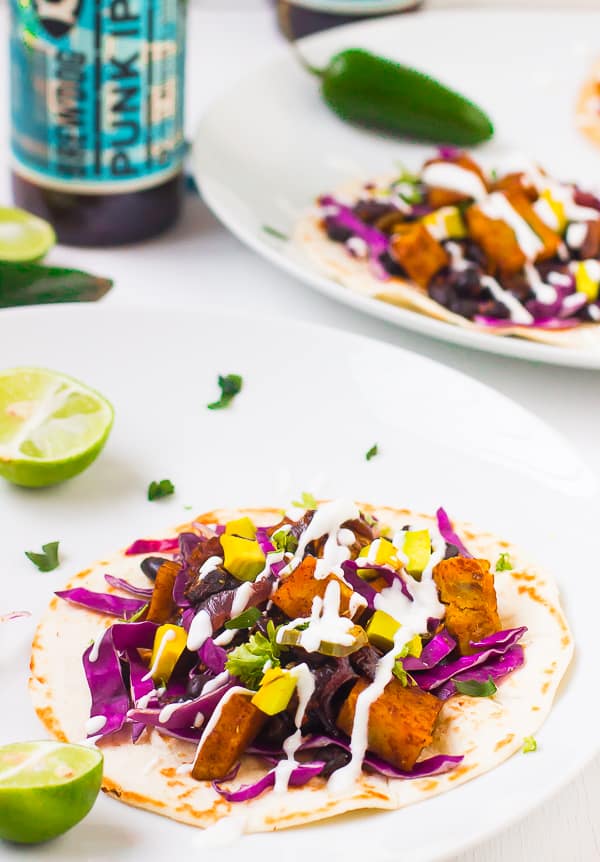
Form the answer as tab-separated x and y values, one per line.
517	254
288	669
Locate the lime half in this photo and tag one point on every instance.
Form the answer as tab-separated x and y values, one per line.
46	788
51	426
23	237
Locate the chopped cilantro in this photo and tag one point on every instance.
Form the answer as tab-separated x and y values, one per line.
48	560
374	450
473	688
285	541
529	744
245	620
494	174
187	508
158	490
503	563
272	231
402	675
247	661
230	386
307	501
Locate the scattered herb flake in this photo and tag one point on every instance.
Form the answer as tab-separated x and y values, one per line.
306	501
494	174
188	508
158	490
285	541
272	231
248	660
374	450
230	386
401	674
138	614
48	560
503	563
245	620
473	688
529	744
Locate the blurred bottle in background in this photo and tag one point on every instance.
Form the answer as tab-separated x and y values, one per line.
97	115
299	18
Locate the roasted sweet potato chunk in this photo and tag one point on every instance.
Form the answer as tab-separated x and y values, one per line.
401	721
497	240
297	591
418	253
162	607
238	725
439	197
466	586
516	182
548	237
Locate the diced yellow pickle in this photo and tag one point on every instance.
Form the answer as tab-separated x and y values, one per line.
169	643
242	527
587	278
381	630
384	556
414	647
557	207
417	547
446	223
242	558
293	637
275	692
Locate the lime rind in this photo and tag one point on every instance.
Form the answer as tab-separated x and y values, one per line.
24	238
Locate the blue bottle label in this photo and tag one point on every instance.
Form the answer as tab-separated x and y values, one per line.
97	92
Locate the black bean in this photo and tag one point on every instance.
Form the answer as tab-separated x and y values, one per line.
151	565
337	232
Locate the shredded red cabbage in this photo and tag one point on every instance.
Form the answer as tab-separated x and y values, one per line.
440	646
300	775
105	681
447	532
185	714
120	584
551	323
213	656
350	569
377	241
496	668
104	603
150	546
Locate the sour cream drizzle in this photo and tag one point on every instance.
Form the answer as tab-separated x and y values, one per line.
545	293
446	175
305	686
167	637
327	520
200	630
95	724
209	566
517	312
325	623
497	206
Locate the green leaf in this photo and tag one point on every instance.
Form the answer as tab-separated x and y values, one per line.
138	614
247	661
400	674
245	620
32	284
374	450
285	541
529	744
46	561
307	501
474	688
157	490
272	231
230	386
503	563
493	174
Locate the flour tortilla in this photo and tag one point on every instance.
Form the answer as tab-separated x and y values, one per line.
485	730
587	112
334	260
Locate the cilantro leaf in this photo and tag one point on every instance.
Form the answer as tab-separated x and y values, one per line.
529	744
474	688
285	541
137	615
374	450
503	563
307	501
158	490
48	560
230	386
247	661
245	620
401	674
272	231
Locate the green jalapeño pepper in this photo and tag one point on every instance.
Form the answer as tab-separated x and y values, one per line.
378	93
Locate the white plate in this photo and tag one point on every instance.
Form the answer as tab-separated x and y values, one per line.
266	149
314	401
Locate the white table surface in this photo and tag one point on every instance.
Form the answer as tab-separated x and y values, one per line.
199	263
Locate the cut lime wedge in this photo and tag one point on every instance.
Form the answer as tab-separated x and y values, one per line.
46	788
51	426
23	237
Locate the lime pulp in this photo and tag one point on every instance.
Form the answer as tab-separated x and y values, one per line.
46	788
51	426
24	238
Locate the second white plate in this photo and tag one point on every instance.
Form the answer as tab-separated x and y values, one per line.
266	149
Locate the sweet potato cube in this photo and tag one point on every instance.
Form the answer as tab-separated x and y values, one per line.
162	607
297	591
497	240
237	726
401	721
466	586
418	253
517	182
548	237
440	197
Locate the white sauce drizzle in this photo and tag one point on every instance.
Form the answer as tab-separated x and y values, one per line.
446	175
357	246
95	650
305	686
217	682
225	637
241	598
543	209
346	537
497	206
559	279
95	724
576	234
457	258
325	623
545	293
327	520
200	631
215	717
167	711
167	637
209	566
145	699
184	769
518	313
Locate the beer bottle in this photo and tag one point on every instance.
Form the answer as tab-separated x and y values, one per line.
97	115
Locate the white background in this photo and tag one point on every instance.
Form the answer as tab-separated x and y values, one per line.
199	263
